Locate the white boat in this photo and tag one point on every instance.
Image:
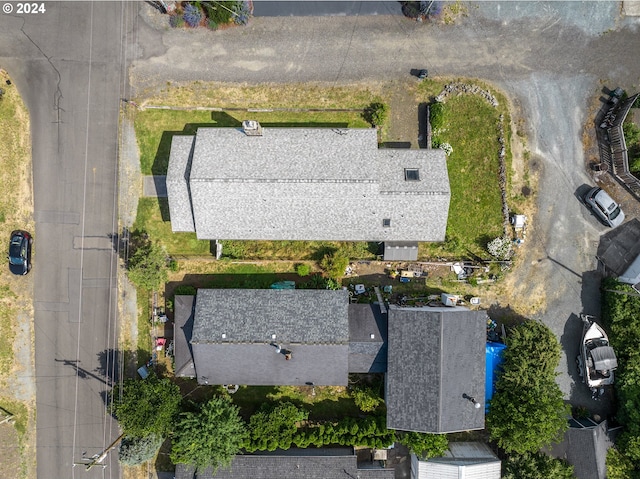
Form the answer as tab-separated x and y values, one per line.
597	355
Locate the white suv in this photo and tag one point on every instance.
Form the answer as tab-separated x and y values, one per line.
604	207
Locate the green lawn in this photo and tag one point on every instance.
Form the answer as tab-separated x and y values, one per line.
475	212
153	217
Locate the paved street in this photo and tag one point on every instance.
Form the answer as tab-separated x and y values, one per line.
551	58
68	64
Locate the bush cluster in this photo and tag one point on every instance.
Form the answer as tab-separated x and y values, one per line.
370	431
621	314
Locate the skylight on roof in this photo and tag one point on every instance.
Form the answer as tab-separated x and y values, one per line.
386	222
411	174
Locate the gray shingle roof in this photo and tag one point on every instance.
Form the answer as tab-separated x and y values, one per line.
182	330
309	316
586	449
367	354
288	467
435	356
312	324
619	247
309	184
177	182
400	251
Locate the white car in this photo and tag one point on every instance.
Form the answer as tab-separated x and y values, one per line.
604	207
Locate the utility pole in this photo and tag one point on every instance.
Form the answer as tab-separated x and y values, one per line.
97	459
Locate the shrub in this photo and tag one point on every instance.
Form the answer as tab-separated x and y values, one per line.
425	445
501	248
173	265
212	25
136	450
447	148
219	12
536	465
242	12
335	264
185	289
376	114
366	398
303	269
176	21
192	15
436	115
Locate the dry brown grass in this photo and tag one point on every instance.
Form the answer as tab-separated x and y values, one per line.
295	95
16	212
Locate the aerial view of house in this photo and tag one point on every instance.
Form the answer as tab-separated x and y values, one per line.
320	239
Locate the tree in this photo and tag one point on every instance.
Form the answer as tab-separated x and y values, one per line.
527	411
534	466
273	427
209	436
366	398
136	450
147	264
425	445
335	264
147	406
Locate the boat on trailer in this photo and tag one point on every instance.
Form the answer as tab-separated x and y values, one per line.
597	360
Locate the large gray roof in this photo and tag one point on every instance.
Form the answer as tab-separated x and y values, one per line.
307	184
436	355
367	339
311	324
290	466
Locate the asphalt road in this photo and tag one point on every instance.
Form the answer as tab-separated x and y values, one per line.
68	64
551	58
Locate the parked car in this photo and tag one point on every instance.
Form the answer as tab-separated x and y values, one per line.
604	207
20	252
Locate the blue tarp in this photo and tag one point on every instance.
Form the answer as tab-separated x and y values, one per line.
493	357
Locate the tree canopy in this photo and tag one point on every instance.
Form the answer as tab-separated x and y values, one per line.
148	406
209	436
621	315
136	450
535	466
147	265
527	411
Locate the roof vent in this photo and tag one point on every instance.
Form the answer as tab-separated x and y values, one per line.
251	128
224	335
373	336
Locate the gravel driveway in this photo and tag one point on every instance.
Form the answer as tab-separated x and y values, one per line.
551	58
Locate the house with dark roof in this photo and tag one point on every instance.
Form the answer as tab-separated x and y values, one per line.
183	307
619	252
435	378
323	463
433	357
367	339
462	460
584	446
271	337
305	184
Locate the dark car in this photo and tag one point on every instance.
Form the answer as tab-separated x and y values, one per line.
604	207
20	252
